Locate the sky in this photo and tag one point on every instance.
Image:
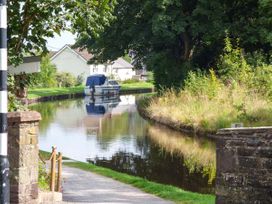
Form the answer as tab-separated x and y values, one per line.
59	41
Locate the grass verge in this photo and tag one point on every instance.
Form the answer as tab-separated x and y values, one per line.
164	191
41	92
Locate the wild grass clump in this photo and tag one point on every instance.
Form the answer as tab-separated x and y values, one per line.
236	93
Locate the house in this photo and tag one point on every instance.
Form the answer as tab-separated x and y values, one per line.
75	61
29	65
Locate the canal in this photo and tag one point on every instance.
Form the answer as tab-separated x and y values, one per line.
112	134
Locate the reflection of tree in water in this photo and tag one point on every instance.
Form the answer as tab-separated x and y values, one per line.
158	166
48	111
199	154
123	126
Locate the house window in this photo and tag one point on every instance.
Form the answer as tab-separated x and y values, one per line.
95	68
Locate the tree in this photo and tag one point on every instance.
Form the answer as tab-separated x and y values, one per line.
173	36
30	22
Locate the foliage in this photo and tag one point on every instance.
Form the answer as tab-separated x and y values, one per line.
240	93
44	177
79	80
150	77
232	64
172	37
164	191
47	75
65	79
30	22
13	103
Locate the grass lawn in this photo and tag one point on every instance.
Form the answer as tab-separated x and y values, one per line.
40	92
136	85
167	192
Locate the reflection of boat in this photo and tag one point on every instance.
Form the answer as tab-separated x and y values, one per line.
99	85
100	105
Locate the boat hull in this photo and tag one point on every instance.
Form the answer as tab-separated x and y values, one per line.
102	91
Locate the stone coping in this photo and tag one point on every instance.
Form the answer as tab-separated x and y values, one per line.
24	116
247	128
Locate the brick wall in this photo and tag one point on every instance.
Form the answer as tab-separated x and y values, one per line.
23	156
244	165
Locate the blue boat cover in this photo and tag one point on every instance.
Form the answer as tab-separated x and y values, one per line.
96	80
95	110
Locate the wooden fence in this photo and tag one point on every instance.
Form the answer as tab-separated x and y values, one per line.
54	159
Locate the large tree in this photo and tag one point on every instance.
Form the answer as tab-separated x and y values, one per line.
172	36
30	22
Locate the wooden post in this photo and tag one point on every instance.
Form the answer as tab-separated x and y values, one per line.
59	172
53	169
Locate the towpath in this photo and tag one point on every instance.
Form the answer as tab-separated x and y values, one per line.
86	187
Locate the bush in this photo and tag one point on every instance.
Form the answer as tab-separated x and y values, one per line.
150	77
47	75
79	80
65	79
232	64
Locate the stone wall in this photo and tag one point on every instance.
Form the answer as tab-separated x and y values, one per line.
244	165
23	156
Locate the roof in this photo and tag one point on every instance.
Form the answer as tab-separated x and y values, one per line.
31	59
84	53
86	56
121	63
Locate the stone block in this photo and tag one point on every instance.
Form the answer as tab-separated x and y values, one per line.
244	166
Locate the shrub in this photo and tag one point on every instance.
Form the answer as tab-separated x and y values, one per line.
65	79
232	64
47	75
150	77
79	80
198	83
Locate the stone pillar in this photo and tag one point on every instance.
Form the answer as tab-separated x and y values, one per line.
244	166
23	156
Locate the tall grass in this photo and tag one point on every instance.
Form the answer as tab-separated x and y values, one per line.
229	105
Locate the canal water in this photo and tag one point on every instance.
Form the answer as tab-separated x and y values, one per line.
109	132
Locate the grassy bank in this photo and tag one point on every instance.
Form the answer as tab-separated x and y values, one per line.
164	191
41	92
210	106
205	113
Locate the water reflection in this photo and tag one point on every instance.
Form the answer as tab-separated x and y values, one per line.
110	132
199	154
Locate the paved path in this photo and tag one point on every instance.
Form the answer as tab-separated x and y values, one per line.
85	187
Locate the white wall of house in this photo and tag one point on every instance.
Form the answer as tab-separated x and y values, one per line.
123	73
69	61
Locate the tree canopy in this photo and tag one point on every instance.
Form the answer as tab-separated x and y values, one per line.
30	22
173	36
